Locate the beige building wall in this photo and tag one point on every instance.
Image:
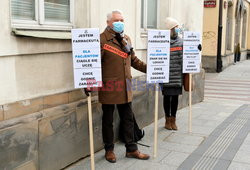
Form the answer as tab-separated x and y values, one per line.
248	39
210	35
189	13
248	29
210	31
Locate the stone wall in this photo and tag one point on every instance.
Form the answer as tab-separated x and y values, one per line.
55	134
209	62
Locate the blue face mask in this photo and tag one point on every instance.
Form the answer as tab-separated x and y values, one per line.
177	30
118	27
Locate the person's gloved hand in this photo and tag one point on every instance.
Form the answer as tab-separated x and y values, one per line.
87	91
200	47
127	49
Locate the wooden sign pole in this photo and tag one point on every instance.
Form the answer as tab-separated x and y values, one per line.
190	105
91	139
156	120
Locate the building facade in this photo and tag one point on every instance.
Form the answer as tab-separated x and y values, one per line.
235	32
43	119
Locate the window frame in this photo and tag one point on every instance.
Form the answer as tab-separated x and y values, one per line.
145	17
39	22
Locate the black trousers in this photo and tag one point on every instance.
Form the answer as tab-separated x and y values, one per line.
127	123
170	103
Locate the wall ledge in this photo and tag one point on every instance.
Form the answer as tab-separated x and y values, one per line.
63	35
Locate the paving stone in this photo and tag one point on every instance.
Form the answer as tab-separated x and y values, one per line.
247	142
224	114
189	162
206	123
202	130
178	147
144	165
182	138
248	136
212	117
174	158
242	156
238	166
245	147
149	134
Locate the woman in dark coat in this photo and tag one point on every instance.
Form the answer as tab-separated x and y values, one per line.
173	89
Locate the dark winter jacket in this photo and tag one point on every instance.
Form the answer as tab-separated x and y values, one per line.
176	60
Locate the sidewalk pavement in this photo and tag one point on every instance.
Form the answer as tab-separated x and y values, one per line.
220	137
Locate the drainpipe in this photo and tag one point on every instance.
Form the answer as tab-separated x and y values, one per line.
219	60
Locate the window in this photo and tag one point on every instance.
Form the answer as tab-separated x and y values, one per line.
42	14
229	28
149	14
244	30
24	10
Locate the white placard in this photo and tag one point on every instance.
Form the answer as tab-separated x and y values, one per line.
86	57
191	53
191	66
158	56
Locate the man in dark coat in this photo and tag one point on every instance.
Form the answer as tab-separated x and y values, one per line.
117	58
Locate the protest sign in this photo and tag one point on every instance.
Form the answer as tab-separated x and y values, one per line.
86	57
158	56
191	53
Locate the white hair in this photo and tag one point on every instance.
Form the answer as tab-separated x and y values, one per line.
109	15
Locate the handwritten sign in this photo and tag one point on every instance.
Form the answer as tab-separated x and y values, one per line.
158	56
86	57
191	53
